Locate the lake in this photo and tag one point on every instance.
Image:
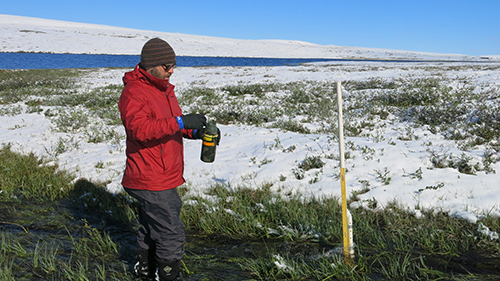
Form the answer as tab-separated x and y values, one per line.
50	61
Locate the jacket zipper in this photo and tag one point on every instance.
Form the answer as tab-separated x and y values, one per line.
161	156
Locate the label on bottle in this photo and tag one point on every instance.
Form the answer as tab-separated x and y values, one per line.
209	139
208	143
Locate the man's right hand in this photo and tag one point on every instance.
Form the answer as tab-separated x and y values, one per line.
192	121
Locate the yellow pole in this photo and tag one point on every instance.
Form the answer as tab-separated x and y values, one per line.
346	218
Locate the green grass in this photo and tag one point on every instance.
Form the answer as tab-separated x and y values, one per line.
392	244
20	85
44	235
86	233
32	180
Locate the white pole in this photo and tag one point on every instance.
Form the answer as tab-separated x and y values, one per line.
350	234
346	215
341	125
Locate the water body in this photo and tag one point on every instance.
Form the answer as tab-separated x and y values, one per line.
51	61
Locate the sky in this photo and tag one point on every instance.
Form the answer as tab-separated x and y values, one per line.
450	27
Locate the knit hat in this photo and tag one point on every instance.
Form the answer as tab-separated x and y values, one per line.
157	52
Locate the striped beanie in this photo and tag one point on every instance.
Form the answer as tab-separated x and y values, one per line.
157	52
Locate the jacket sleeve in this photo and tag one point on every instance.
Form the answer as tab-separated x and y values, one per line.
177	111
141	121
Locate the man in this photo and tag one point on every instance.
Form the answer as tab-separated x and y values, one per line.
155	128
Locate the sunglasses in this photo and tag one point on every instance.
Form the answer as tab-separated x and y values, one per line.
169	66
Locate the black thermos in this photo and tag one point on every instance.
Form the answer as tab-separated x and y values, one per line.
209	142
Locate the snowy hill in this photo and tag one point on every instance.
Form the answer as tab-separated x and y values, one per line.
25	34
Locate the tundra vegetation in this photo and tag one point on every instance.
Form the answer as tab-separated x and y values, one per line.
56	226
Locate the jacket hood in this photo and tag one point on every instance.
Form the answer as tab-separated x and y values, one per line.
140	75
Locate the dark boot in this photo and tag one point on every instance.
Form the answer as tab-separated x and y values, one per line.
145	265
168	271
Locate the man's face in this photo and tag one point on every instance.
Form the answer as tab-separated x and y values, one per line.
162	71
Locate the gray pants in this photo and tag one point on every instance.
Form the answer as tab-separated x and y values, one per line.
161	228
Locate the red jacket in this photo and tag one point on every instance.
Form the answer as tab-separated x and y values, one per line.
155	153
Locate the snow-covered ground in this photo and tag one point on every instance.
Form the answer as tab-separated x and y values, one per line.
255	155
42	35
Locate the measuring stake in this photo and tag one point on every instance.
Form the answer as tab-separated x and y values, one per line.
346	215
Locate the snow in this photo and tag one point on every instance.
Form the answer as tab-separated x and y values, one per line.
41	35
252	156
